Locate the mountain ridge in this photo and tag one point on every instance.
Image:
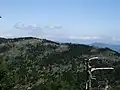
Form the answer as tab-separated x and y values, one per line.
104	45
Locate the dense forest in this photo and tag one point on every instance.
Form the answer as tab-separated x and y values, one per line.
29	63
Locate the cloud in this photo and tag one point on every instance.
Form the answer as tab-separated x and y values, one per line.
48	31
84	38
116	39
26	27
22	26
53	27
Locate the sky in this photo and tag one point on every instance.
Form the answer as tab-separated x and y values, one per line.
81	21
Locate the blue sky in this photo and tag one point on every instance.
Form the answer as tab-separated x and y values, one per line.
62	20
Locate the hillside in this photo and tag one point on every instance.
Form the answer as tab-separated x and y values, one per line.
30	63
103	45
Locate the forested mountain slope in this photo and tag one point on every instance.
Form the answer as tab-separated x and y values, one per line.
103	45
30	63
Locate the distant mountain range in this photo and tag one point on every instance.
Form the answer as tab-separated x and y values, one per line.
104	45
